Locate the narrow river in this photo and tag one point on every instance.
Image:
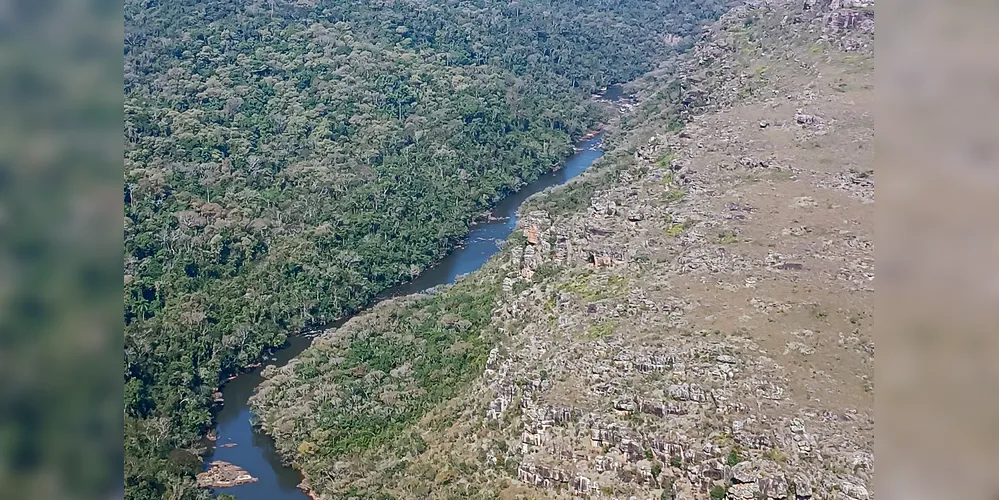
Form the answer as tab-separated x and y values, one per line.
237	440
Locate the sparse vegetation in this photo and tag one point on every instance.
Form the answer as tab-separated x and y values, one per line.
600	330
674	229
591	288
667	493
727	237
819	313
547	270
733	457
775	455
664	161
718	492
672	195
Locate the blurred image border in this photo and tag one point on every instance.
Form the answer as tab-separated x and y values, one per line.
937	372
60	413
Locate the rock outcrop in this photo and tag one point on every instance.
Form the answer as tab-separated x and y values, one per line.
222	474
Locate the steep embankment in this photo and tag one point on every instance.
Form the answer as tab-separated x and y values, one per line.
691	321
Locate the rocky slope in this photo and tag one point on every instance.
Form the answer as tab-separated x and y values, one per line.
692	320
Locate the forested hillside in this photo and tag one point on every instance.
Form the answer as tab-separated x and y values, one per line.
285	161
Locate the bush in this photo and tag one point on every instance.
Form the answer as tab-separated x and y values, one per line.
733	457
718	492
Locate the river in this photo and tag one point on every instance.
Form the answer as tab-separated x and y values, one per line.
254	451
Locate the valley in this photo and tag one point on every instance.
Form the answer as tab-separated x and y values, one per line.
382	220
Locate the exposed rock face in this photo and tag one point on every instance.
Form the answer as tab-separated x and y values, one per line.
766	478
643	399
802	486
531	232
224	475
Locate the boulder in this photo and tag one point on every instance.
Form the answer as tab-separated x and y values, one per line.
222	474
803	118
747	491
768	480
802	486
752	470
854	491
774	486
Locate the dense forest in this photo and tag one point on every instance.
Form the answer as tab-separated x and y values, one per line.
287	160
376	376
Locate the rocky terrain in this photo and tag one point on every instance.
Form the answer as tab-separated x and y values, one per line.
224	475
701	326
